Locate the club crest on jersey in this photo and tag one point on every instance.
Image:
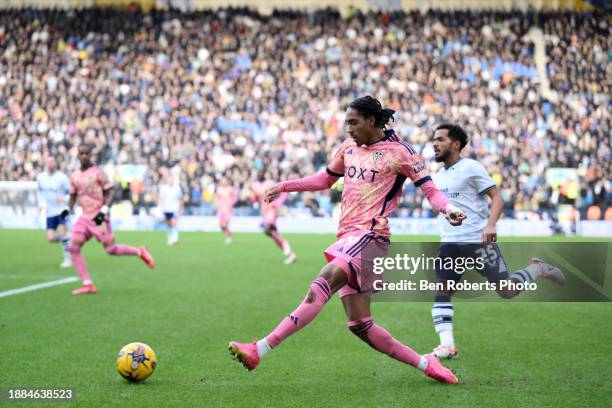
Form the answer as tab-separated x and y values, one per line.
377	156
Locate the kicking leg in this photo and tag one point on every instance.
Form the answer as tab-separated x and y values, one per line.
331	278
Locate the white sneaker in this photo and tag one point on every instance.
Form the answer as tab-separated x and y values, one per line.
291	258
443	351
547	271
228	241
67	263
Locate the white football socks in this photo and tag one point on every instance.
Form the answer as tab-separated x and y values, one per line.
447	338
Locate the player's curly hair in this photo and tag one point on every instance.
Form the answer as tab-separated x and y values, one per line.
455	132
368	106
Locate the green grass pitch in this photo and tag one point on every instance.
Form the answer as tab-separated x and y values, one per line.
203	294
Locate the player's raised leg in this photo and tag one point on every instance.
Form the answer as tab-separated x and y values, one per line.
330	280
106	237
496	271
536	269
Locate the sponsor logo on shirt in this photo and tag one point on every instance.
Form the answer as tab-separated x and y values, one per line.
361	173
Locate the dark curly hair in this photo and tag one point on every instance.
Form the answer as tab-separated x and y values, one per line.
368	106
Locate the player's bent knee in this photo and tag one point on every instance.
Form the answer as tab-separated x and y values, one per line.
75	247
111	249
108	241
360	327
335	276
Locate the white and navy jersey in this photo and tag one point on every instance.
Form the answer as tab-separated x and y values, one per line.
170	196
53	192
465	183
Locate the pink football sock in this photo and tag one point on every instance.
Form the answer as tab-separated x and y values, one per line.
380	339
277	238
119	249
79	263
317	297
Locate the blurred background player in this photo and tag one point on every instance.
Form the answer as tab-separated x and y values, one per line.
375	163
94	191
171	204
53	188
225	198
467	185
269	212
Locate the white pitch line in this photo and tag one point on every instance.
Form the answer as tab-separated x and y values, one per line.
27	277
38	286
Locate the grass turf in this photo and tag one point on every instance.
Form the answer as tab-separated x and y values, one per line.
203	293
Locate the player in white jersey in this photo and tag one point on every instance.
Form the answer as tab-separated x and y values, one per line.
469	187
171	204
53	188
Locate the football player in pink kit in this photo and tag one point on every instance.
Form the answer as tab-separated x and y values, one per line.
94	191
269	212
374	163
225	198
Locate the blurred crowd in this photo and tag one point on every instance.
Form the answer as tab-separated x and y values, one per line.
230	93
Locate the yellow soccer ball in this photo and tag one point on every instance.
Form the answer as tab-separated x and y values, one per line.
136	362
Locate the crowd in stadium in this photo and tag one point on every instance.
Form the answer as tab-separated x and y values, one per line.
220	93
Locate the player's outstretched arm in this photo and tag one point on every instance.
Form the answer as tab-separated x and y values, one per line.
439	202
317	182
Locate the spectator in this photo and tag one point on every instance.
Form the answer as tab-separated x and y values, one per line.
227	93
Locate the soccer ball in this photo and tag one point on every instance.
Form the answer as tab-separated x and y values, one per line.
136	362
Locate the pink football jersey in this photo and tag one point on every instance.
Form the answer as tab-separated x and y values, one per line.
89	185
373	179
225	198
